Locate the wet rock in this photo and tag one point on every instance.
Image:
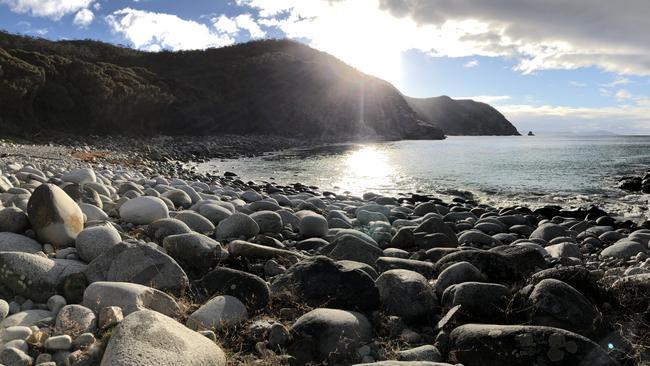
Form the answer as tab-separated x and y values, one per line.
268	221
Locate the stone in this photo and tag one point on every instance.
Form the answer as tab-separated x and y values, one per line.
236	226
16	332
138	263
278	336
58	343
4	309
84	340
14	357
478	238
219	313
313	226
214	212
162	228
479	301
194	252
13	220
330	335
322	282
623	249
12	242
423	353
268	221
495	266
350	247
387	263
435	225
74	320
406	294
109	316
93	213
80	176
26	318
548	232
143	210
632	291
252	290
95	240
196	222
129	297
55	303
564	250
146	337
240	248
179	198
457	273
514	345
36	277
55	217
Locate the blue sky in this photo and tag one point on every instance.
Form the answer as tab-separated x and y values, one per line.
548	65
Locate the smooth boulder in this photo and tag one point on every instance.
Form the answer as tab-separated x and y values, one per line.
143	210
56	218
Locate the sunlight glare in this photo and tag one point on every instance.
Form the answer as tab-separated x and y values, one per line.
366	168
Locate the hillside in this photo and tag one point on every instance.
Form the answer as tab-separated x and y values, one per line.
276	87
462	117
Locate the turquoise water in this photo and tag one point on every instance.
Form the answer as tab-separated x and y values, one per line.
500	170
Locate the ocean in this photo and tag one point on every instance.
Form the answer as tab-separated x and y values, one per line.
498	170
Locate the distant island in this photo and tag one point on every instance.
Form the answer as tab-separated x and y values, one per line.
267	87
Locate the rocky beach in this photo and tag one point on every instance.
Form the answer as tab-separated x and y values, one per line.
113	252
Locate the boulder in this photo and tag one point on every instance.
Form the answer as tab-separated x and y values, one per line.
406	294
143	210
196	222
138	263
322	282
236	226
434	225
247	287
556	304
13	220
623	249
313	225
350	247
194	252
74	320
518	345
162	228
220	313
80	176
11	242
427	269
95	240
330	335
55	217
130	297
564	250
457	273
548	232
149	338
479	301
36	277
268	221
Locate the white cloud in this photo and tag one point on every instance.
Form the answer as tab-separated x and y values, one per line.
618	81
83	18
233	25
622	95
155	31
577	84
53	9
489	99
539	35
471	64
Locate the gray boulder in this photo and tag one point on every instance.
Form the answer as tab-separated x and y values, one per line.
330	335
36	277
74	320
247	287
517	345
11	242
480	302
130	297
623	249
138	263
268	221
143	210
194	252
548	232
457	273
220	313
406	294
13	220
313	225
149	338
162	228
236	226
196	222
95	240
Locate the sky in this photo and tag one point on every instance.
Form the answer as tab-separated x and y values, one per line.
547	65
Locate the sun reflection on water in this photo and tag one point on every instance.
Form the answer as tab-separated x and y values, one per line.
366	168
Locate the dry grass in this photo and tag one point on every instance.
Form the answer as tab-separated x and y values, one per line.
91	156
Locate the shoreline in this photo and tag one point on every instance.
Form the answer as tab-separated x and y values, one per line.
407	275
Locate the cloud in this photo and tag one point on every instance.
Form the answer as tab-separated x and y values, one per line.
489	99
624	119
577	84
622	95
551	34
83	18
155	31
618	81
233	25
471	64
53	9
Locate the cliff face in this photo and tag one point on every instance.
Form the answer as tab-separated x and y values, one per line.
263	87
462	117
